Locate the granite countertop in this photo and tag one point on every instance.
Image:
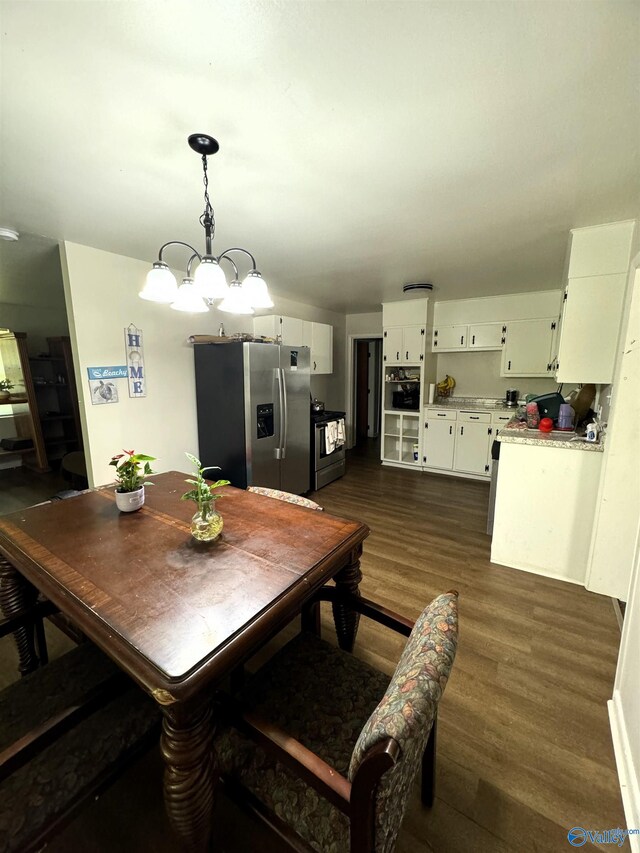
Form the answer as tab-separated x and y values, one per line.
565	440
469	403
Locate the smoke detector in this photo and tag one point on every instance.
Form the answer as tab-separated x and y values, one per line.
8	234
417	288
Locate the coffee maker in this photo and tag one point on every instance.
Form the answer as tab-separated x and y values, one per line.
511	398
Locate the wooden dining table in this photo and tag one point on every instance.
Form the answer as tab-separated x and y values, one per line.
177	615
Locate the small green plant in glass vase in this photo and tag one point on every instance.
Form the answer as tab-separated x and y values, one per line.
132	469
5	389
207	523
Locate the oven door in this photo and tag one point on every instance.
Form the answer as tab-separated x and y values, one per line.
324	458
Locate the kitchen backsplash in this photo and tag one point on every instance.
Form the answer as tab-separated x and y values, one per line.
477	374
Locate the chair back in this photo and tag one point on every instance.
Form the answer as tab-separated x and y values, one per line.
407	710
279	495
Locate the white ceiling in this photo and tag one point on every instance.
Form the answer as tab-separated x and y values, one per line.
363	144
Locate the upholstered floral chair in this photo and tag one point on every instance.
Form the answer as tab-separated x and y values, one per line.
326	748
289	497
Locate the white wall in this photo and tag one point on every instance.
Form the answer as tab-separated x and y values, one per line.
364	324
102	298
624	708
39	323
477	374
619	498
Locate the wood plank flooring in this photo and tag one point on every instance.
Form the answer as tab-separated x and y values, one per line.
524	749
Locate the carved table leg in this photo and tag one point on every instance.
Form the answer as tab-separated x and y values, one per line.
346	620
189	776
15	595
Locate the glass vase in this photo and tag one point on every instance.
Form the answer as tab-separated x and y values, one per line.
206	524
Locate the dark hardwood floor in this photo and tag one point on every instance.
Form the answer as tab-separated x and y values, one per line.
524	750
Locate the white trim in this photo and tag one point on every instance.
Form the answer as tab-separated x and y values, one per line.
627	774
350	391
534	570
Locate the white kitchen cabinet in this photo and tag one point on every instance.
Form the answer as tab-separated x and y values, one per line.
591	316
449	338
401	438
286	330
403	345
473	441
408	312
438	440
528	347
601	249
319	338
485	336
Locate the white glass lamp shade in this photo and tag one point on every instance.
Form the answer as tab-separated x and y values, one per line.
237	300
188	299
210	280
161	284
256	288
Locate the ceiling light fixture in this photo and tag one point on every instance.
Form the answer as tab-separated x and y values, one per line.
199	290
418	287
8	234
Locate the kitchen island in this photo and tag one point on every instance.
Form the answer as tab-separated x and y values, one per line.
545	503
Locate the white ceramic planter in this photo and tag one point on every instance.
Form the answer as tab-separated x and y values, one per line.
130	501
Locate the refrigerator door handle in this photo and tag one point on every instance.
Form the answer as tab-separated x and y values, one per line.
278	451
284	415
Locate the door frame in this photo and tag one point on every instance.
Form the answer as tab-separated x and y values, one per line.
350	390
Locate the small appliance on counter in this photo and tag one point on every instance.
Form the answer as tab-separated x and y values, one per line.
317	405
511	398
565	417
549	405
407	398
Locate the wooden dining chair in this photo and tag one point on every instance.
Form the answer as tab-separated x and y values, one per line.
66	730
289	497
325	748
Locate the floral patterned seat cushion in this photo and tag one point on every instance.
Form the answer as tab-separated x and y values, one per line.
289	497
42	789
339	706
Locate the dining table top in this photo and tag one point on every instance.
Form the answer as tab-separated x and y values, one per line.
174	612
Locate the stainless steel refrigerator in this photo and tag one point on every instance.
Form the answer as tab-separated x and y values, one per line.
253	413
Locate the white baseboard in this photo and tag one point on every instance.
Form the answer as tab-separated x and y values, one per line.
627	773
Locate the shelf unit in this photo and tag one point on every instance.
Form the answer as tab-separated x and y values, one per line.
23	410
56	399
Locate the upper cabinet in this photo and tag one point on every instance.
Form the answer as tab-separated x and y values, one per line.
405	331
528	347
319	338
479	337
593	302
293	332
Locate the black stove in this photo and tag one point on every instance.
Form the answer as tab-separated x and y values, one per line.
326	416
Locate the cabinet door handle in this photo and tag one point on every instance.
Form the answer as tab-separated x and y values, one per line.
406	357
441	415
314	365
474	417
461	339
509	366
473	339
398	356
461	430
450	430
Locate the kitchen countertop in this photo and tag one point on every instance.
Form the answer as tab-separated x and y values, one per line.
473	403
565	440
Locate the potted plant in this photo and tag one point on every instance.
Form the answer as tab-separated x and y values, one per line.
5	389
131	470
207	523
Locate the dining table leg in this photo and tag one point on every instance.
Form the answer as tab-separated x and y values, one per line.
16	594
189	776
346	620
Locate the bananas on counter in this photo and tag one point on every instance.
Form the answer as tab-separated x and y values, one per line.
445	387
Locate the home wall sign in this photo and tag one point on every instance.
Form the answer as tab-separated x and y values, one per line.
135	361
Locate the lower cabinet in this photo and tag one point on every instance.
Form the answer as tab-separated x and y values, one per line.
459	440
439	442
472	447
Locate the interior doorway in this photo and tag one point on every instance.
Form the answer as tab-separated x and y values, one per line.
367	388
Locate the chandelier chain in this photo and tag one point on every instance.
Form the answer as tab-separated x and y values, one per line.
207	217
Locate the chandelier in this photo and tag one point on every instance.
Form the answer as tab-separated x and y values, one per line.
200	289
